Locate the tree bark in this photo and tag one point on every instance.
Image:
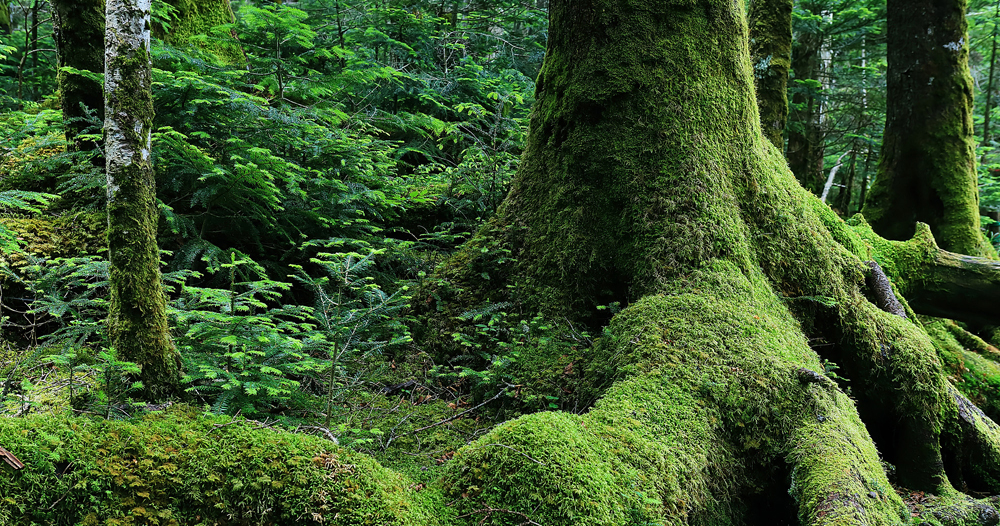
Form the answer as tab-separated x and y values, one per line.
137	322
958	287
927	172
771	53
79	36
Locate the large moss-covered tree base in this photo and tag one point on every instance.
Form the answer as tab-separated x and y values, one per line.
927	171
646	180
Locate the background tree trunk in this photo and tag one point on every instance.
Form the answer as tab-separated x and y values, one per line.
137	322
771	53
805	138
79	36
198	17
927	172
987	136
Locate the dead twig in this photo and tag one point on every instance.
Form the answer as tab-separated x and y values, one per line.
489	511
449	419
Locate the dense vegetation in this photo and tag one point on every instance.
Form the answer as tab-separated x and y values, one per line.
316	163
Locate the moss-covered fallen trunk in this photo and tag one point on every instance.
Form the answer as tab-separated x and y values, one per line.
183	468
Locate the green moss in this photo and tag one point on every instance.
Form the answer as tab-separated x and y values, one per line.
902	261
970	363
179	467
838	477
950	510
711	393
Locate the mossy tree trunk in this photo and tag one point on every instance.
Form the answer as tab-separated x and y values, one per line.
927	172
137	321
805	137
198	17
771	53
646	179
79	36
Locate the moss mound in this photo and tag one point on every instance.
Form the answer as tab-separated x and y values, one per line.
181	467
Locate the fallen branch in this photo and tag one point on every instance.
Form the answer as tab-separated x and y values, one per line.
10	459
449	419
488	511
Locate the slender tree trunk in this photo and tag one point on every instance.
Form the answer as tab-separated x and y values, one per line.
989	82
771	53
846	193
34	44
927	171
805	141
137	322
865	179
79	36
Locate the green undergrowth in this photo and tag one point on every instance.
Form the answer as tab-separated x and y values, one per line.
413	432
182	467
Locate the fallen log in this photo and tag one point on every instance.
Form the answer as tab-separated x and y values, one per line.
958	287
